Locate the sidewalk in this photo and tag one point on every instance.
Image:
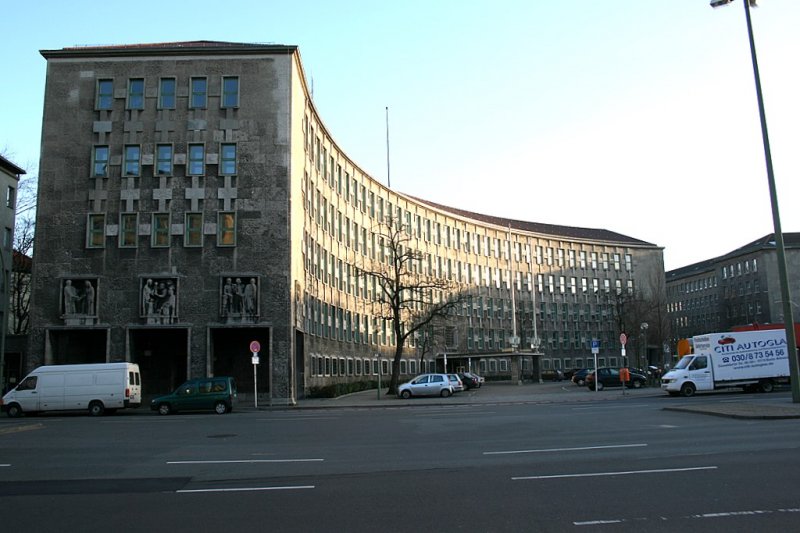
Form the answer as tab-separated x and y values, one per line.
747	406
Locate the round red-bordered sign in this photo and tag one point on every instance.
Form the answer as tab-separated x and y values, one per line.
623	338
255	346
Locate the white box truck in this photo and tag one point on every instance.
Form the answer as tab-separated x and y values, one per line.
98	388
751	360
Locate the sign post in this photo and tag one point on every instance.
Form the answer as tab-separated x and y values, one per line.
255	347
622	340
595	351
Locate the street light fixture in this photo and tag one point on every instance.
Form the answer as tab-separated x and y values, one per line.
788	322
643	351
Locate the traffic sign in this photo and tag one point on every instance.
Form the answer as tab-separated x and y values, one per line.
623	339
255	346
595	346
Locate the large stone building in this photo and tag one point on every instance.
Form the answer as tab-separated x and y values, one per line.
192	201
735	289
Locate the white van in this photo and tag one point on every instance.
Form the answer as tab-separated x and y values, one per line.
98	388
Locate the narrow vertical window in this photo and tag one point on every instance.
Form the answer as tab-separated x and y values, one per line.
105	94
193	231
127	230
11	197
227	164
199	93
230	91
132	155
8	238
196	159
226	229
95	231
160	230
136	93
164	159
166	93
100	161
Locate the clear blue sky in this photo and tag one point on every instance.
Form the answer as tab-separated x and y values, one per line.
637	116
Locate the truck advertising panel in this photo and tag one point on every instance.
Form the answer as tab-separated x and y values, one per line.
745	354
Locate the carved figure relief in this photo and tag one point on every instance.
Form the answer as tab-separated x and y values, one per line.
239	300
78	302
159	300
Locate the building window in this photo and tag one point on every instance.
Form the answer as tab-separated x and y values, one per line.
226	228
132	154
230	91
196	159
95	231
193	232
227	164
11	197
164	159
127	230
100	161
160	230
166	93
136	93
199	90
105	94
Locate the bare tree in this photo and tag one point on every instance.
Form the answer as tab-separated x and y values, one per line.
407	298
21	277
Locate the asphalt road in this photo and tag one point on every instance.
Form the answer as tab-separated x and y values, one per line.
617	465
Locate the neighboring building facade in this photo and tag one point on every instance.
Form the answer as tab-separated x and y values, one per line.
191	201
9	181
738	288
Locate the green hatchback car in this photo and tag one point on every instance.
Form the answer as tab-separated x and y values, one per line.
216	394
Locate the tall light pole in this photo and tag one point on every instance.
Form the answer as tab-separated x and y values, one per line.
786	295
643	351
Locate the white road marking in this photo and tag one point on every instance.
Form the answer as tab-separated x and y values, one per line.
247	489
582	448
244	461
597	522
279	419
621	473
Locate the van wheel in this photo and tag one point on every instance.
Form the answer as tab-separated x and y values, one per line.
220	408
767	385
687	389
14	410
96	408
164	409
445	393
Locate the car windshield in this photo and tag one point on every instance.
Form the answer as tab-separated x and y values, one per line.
683	363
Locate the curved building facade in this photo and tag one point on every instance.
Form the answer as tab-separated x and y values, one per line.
191	201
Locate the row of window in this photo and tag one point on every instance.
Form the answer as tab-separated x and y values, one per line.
740	268
326	366
160	230
198	93
164	160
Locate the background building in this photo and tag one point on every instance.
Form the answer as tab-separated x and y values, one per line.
191	201
738	288
9	181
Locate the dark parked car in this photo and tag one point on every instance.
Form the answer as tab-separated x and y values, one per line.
579	377
610	377
552	374
469	380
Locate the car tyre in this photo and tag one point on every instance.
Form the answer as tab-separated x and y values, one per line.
599	385
406	394
445	393
14	410
687	390
96	408
637	384
164	409
581	382
220	408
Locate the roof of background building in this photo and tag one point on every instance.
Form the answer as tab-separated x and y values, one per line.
767	242
10	167
554	230
172	48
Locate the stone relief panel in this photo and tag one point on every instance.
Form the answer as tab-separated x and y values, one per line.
78	302
239	298
159	300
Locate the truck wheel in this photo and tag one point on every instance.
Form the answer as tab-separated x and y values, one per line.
14	410
687	390
767	385
96	408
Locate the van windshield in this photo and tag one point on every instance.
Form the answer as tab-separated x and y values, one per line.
684	362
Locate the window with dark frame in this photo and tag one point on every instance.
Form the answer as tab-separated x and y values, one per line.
227	163
166	93
230	91
193	232
132	159
164	159
160	230
199	93
127	230
226	228
105	94
136	93
196	160
100	161
96	226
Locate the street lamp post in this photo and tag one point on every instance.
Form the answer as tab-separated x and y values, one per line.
788	322
643	351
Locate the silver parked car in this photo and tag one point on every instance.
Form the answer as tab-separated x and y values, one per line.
455	381
426	385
